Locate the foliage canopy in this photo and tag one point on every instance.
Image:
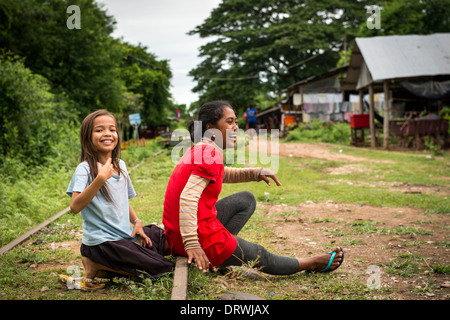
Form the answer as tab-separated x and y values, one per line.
264	46
88	65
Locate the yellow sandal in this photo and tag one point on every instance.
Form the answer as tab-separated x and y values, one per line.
82	284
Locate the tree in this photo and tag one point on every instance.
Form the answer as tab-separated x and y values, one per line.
80	62
88	65
400	17
33	120
148	77
266	45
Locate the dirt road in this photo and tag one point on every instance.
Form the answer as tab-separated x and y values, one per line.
374	238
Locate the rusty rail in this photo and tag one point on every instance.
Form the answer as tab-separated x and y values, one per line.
180	281
29	233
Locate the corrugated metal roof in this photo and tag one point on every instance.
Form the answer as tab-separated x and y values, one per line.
405	56
329	73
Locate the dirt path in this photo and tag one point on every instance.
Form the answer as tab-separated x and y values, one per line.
317	151
373	237
305	150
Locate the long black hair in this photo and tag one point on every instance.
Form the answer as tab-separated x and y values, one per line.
209	113
88	152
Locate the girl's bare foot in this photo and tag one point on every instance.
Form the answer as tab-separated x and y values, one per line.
320	262
91	269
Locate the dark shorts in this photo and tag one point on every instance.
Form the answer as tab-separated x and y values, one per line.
125	255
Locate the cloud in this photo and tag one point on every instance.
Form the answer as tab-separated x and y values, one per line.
161	26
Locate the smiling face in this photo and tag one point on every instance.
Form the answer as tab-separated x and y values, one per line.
228	127
104	135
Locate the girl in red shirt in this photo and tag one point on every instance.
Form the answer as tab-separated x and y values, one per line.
204	229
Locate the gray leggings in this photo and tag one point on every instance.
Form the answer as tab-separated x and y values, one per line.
233	212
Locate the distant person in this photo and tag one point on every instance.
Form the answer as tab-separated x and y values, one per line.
251	121
251	117
114	239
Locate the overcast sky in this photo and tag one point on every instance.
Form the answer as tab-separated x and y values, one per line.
161	26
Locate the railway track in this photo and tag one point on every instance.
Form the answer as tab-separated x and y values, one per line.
179	290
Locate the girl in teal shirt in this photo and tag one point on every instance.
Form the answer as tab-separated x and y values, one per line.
114	239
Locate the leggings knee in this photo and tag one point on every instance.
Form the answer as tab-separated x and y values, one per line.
248	198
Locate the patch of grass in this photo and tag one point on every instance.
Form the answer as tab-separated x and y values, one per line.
359	227
320	131
315	220
352	242
408	167
440	209
441	268
363	227
414	243
31	273
406	230
289	214
302	179
444	243
323	287
369	226
149	289
405	265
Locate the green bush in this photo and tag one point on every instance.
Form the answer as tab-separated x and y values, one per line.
445	114
36	126
39	147
27	202
319	131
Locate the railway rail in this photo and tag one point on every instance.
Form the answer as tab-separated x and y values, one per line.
180	283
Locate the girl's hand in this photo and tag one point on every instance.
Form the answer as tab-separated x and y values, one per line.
266	174
143	240
105	171
200	258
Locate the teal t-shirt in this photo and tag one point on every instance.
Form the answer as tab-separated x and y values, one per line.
102	220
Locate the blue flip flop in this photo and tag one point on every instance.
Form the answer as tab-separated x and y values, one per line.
333	254
327	268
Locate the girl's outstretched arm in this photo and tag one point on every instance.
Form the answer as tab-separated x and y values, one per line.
236	175
265	174
81	199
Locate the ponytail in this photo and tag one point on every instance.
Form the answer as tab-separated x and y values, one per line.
209	113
